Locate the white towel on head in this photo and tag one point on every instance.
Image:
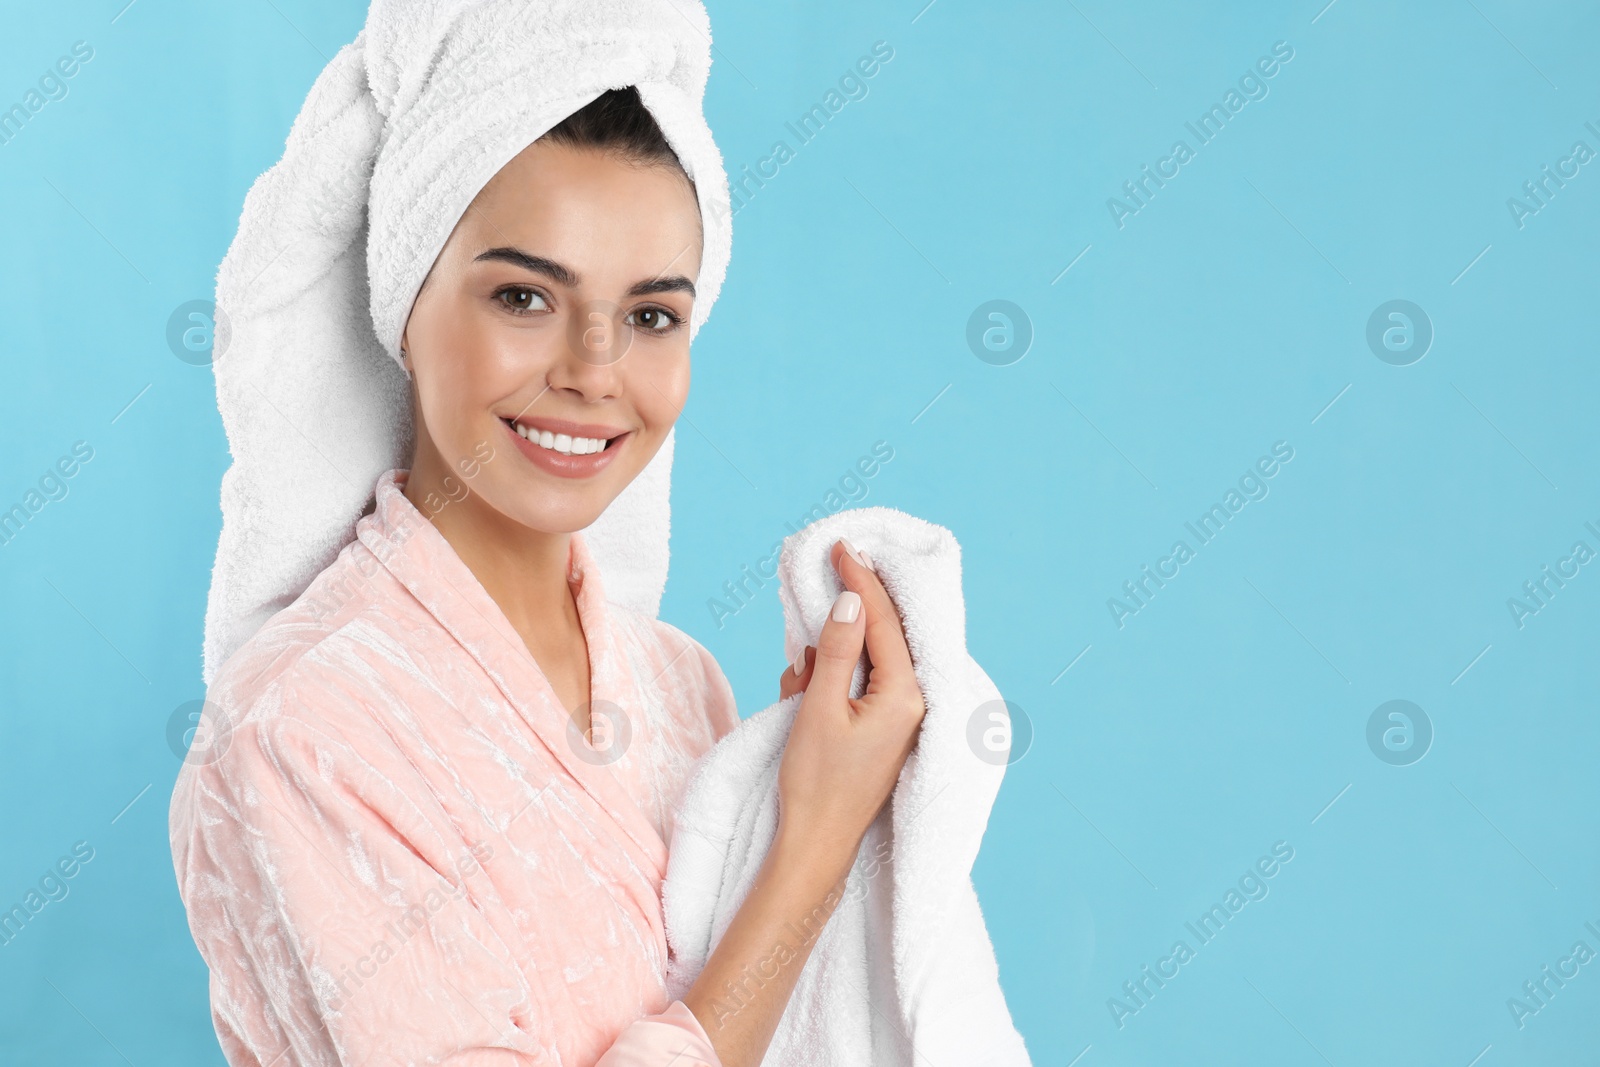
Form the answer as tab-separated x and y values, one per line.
903	973
398	134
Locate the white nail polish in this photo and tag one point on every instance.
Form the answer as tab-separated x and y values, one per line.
850	550
867	560
847	606
799	663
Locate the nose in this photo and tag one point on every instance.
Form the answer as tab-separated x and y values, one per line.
589	357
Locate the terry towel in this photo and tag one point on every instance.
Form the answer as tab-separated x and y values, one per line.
903	972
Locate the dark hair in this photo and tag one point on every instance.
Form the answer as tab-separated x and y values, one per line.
617	121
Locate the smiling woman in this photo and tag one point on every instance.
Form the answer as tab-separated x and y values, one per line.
435	824
570	259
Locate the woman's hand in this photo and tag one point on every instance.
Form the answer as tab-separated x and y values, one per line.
844	756
839	766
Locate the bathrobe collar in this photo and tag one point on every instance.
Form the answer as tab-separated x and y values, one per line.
420	558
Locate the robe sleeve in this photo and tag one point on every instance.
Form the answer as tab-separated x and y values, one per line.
674	1038
340	914
698	672
721	706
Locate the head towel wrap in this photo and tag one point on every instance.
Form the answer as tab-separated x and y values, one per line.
398	134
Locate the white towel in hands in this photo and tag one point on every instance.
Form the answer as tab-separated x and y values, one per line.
903	972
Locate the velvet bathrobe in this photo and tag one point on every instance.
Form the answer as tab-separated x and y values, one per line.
394	845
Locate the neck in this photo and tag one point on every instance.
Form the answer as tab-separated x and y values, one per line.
523	570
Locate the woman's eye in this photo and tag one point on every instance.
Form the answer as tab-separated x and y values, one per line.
521	299
655	320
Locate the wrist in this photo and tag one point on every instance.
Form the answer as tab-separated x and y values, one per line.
816	857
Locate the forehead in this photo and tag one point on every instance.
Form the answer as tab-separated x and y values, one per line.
587	208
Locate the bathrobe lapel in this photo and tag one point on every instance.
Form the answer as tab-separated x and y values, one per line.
417	554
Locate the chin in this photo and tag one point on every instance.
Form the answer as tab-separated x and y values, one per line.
532	501
534	509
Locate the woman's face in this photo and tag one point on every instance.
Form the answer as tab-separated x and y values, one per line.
560	305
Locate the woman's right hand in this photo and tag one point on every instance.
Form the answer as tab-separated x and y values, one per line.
844	755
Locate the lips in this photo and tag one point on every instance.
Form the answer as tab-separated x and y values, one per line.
565	438
566	449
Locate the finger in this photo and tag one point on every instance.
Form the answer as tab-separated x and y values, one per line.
838	647
885	632
791	683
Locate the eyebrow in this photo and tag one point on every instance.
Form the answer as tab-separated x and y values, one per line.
564	275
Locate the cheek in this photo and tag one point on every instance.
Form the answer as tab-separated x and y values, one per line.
468	371
492	363
659	382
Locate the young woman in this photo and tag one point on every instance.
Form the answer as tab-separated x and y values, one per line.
439	826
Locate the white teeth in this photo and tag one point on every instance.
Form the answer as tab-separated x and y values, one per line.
563	443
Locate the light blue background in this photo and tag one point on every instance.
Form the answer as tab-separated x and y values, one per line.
1223	317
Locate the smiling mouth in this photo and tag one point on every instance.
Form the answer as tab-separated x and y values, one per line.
561	443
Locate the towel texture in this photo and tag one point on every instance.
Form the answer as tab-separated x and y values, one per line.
903	972
398	134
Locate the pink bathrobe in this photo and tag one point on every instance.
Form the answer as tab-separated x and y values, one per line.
394	846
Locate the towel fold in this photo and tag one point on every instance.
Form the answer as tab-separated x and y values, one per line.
903	972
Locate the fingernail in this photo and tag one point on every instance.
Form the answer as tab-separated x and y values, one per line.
800	662
850	550
847	607
867	559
